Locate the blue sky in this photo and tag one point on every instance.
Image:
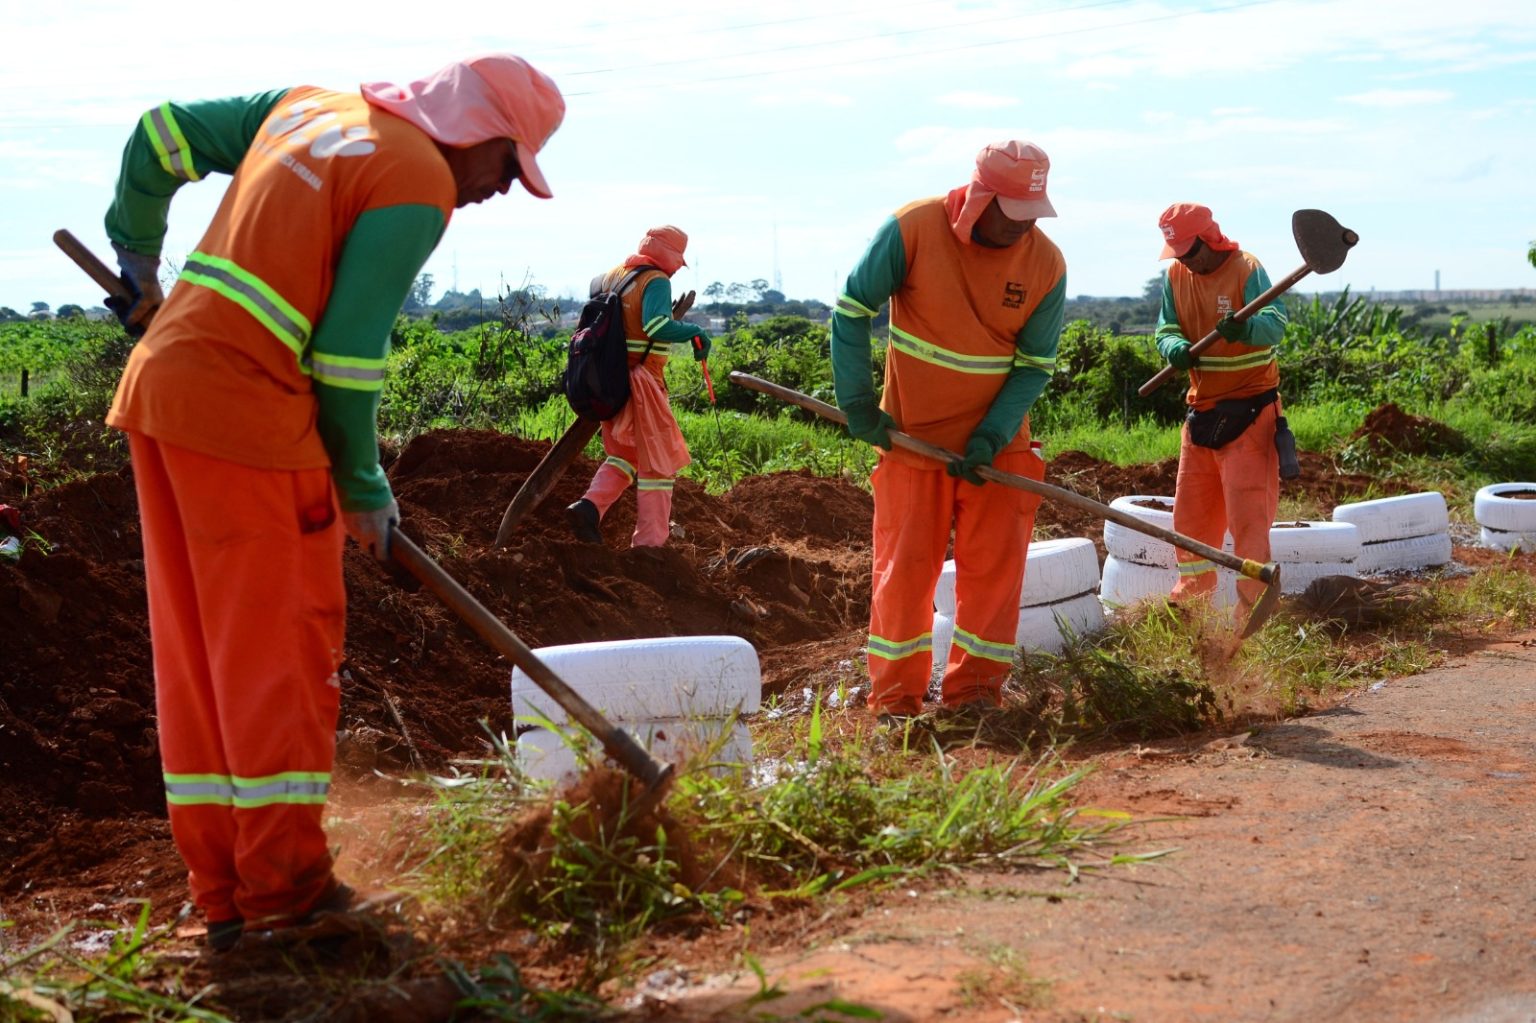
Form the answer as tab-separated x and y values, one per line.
779	136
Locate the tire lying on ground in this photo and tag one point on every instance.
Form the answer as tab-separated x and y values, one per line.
1128	545
1046	627
1053	570
1311	550
1126	582
1507	514
943	638
545	754
669	677
1402	533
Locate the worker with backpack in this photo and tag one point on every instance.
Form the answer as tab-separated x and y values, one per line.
641	438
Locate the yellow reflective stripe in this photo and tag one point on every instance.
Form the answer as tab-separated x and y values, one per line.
1196	567
351	372
653	484
254	295
890	650
1034	362
621	465
199	789
847	305
639	346
1232	363
170	144
656	323
929	352
978	647
289	787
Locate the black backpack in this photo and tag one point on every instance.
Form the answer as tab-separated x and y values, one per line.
596	378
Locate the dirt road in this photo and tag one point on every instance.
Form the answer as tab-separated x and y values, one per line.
1372	862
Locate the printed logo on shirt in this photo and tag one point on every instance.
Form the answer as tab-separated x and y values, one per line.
304	128
1014	295
1223	305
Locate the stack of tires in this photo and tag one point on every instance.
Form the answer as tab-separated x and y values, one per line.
1058	598
1400	534
677	695
1139	566
1311	550
1507	514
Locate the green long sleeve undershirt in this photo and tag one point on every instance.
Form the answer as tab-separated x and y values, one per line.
656	305
1266	327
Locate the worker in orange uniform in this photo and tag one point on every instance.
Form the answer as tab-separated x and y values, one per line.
1229	474
977	293
643	444
250	403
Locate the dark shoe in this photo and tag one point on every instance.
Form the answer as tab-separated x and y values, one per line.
225	934
584	519
649	553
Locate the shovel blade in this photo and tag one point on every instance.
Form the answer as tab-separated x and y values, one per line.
1266	605
1322	241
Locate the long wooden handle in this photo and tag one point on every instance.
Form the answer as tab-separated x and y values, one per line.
1251	569
86	260
1279	288
544	476
617	743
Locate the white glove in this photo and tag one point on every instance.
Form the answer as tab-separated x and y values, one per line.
371	528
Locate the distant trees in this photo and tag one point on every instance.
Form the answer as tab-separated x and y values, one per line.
419	297
1531	253
66	311
39	311
9	315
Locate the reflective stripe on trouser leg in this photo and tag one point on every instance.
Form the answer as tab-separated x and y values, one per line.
610	481
913	510
246	612
653	512
992	529
1243	476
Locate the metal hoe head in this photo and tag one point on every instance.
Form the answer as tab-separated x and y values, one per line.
1322	241
1267	603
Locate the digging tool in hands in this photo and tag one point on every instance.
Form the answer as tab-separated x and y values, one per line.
1268	574
1323	244
617	743
124	297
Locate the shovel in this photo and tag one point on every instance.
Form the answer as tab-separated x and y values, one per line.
617	743
1265	573
559	458
1323	244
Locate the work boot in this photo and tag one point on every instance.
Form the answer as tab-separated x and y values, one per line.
584	519
224	935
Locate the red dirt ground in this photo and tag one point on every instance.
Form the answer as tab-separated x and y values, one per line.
80	788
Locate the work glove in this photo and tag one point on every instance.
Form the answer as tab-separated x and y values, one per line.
701	345
1178	355
979	451
371	529
141	276
1232	330
868	422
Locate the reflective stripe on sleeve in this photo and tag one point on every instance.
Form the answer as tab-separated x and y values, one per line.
348	371
170	144
847	305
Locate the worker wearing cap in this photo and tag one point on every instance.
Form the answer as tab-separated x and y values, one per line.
250	402
1234	487
643	444
977	293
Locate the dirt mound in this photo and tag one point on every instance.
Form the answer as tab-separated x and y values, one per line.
1389	428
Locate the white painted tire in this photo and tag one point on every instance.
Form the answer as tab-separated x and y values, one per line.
1396	518
1494	509
1126	583
1045	626
1506	540
1129	545
668	677
1053	569
1314	542
1404	555
546	755
1296	576
943	637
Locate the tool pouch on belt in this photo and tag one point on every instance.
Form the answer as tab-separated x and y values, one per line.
1225	421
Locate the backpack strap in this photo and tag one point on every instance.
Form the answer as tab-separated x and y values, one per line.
623	285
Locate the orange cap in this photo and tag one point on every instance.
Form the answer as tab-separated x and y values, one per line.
1016	172
1185	222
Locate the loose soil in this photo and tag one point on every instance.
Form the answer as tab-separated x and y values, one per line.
783	561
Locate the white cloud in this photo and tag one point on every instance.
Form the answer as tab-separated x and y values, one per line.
976	100
1399	97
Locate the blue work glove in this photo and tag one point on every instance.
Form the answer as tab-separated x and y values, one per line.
141	276
868	422
1178	355
371	528
979	451
1234	330
701	345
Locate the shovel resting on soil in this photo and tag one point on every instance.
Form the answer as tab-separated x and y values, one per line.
1265	573
1323	244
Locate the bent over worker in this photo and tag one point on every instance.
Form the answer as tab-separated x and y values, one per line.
977	293
250	406
1229	471
643	444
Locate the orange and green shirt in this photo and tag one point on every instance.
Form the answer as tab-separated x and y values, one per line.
648	323
1194	303
270	349
973	330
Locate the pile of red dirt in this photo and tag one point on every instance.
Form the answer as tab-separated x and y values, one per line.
1388	428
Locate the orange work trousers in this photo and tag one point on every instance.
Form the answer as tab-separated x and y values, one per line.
915	509
644	447
246	615
1236	489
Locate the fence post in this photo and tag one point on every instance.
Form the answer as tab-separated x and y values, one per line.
23	383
